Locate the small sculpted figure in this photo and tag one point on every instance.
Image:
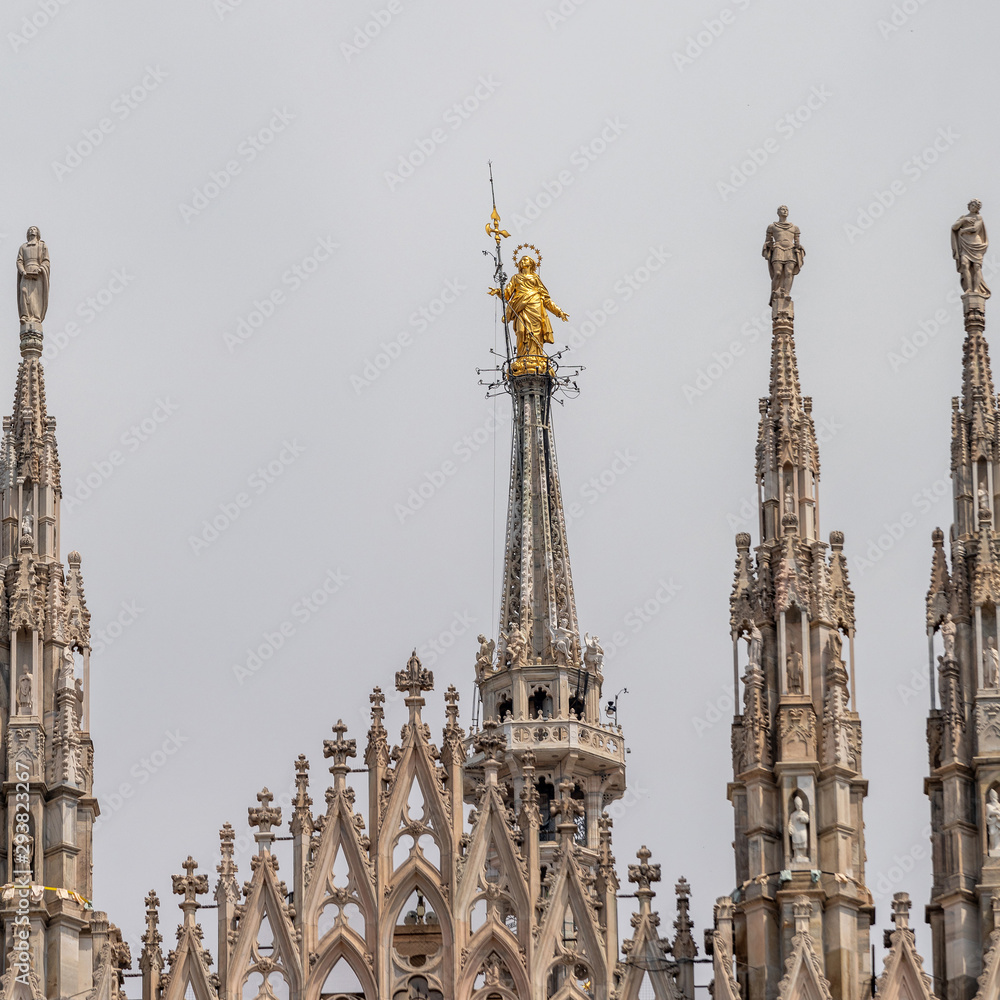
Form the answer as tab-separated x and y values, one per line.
991	663
562	641
793	663
24	694
798	829
784	254
969	244
517	647
756	644
948	630
993	824
484	659
593	656
32	281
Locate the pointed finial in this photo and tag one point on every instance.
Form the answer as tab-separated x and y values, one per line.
414	680
340	750
451	706
264	818
190	886
802	914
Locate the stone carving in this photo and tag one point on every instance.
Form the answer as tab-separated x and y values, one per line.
32	282
984	499
562	641
755	642
484	658
516	647
969	244
527	305
793	664
24	700
993	824
948	630
784	254
67	671
991	663
798	830
593	656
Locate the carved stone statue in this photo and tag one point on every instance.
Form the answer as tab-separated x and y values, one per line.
969	244
756	644
835	644
789	500
24	694
67	670
593	656
527	305
948	630
32	282
798	829
984	499
793	664
991	664
993	824
562	641
784	254
517	647
28	524
484	658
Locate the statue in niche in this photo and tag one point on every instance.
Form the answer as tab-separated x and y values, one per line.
784	254
798	829
984	499
948	630
484	658
992	824
593	656
991	663
24	694
32	282
67	671
789	500
793	664
835	644
28	524
755	642
562	641
516	646
969	244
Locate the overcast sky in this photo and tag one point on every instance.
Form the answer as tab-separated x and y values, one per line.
265	223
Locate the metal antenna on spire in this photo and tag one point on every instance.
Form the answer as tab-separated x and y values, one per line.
493	229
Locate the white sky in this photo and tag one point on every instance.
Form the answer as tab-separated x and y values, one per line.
209	78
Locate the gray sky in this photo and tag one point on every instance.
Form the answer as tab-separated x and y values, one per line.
194	166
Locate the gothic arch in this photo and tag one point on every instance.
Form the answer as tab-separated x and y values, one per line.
341	949
505	945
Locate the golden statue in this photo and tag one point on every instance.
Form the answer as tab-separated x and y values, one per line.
527	301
